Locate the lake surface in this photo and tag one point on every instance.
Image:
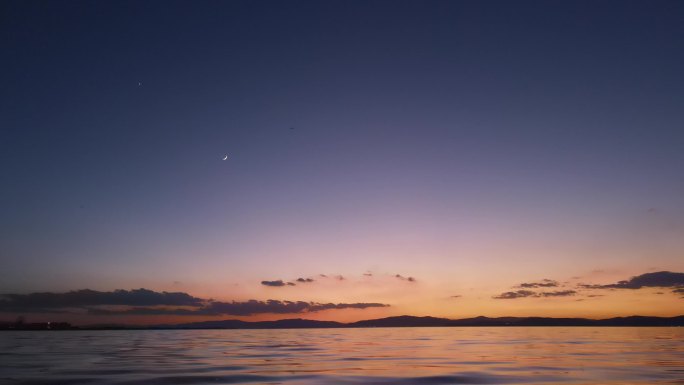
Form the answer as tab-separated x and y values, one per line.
478	355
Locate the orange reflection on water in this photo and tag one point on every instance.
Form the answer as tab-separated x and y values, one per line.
476	355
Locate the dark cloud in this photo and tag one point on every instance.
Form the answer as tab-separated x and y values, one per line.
339	306
456	296
591	286
515	294
409	279
339	278
245	308
658	279
278	283
532	294
305	280
559	293
147	302
536	285
86	297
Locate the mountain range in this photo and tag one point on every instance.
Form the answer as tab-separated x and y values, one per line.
411	321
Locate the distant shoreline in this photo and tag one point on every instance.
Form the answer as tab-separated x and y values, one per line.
389	322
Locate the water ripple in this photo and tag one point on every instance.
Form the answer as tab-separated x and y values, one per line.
430	356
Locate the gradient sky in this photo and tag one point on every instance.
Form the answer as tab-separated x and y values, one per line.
470	145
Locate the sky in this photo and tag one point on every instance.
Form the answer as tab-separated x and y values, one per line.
444	158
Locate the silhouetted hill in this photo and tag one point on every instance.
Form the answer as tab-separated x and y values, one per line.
411	321
296	323
642	321
522	321
401	321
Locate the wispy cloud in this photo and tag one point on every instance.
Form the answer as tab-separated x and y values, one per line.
277	283
515	294
529	293
401	277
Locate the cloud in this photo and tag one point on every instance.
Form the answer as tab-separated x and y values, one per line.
333	306
515	294
409	279
535	285
337	277
278	283
532	294
368	274
147	302
456	296
657	279
559	293
245	308
86	297
305	280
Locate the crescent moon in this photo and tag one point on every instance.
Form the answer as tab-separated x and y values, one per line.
225	157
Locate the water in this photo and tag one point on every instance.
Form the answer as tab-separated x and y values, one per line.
346	356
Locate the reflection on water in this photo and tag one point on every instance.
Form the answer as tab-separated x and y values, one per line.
551	355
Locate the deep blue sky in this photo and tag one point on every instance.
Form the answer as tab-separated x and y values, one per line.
453	130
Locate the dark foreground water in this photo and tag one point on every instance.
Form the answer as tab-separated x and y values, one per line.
346	356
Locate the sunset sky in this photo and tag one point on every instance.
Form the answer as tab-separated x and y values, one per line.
444	158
